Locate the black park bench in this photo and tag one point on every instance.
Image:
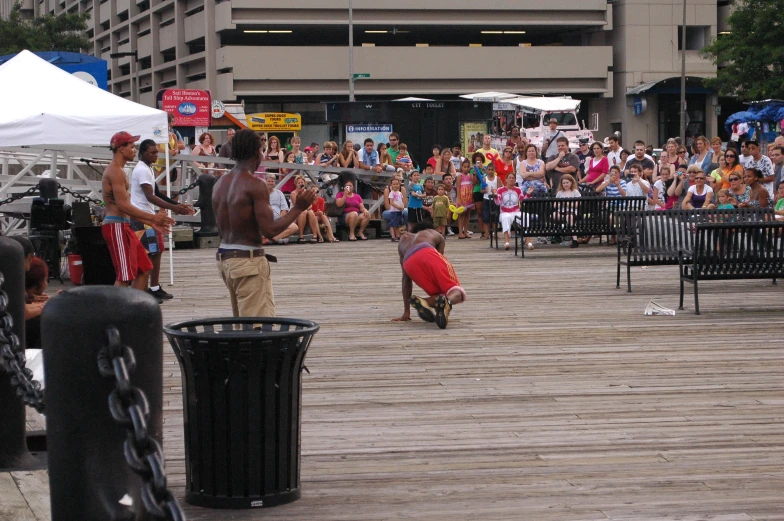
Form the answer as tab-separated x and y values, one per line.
581	216
731	251
654	237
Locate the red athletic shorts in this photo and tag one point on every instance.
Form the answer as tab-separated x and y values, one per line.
431	271
128	255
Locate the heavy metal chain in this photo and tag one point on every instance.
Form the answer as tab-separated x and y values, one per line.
13	358
80	197
20	195
189	187
129	407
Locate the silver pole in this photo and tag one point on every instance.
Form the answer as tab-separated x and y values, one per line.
683	76
351	50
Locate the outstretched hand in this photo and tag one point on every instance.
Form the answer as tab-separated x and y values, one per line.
305	198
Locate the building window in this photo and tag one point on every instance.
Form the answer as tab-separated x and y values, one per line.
697	37
145	63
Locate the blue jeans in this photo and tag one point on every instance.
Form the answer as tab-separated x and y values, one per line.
387	215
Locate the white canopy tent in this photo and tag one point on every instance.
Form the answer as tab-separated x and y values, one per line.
47	109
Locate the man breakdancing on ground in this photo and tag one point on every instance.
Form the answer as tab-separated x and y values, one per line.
422	261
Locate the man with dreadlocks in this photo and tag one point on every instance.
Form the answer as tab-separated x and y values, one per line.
242	208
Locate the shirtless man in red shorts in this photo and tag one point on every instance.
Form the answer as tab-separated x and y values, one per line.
422	261
131	264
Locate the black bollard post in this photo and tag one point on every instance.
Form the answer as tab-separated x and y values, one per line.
209	226
88	474
13	446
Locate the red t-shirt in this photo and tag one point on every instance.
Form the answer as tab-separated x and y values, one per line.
318	205
502	170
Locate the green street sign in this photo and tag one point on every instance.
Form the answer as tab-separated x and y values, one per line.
361	75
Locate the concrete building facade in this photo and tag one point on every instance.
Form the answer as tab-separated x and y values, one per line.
282	56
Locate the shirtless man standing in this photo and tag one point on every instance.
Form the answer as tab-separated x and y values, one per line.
422	261
131	264
242	208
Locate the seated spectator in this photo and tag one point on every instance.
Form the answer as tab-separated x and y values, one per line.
738	190
700	195
636	185
661	186
779	208
384	158
279	207
758	196
508	199
354	212
34	305
596	167
324	225
567	189
444	166
613	186
306	218
725	200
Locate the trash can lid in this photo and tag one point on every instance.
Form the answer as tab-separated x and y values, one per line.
250	327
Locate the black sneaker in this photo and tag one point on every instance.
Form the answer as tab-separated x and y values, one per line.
424	311
160	294
443	307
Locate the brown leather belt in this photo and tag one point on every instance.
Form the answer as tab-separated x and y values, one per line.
222	255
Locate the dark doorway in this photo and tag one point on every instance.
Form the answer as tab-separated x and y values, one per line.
670	116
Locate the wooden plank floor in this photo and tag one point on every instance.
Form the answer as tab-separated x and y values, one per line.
549	397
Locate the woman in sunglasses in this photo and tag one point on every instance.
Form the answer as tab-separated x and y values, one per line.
699	195
738	189
731	166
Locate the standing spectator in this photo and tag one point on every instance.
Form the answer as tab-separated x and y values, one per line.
465	192
597	166
225	150
404	161
703	155
624	158
296	143
449	187
639	158
315	148
368	157
516	141
444	164
488	200
309	157
274	153
415	196
395	204
715	179
567	189
280	207
354	212
478	177
384	159
561	163
490	154
550	144
777	157
505	164
508	199
175	145
457	156
745	155
288	159
763	164
205	148
614	155
715	145
394	148
440	209
673	159
387	213
348	156
583	154
531	171
435	157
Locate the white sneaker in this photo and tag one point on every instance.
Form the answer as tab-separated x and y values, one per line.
449	231
470	232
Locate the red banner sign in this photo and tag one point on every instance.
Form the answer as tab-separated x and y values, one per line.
191	108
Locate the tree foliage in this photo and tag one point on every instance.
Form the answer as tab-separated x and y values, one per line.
751	57
64	32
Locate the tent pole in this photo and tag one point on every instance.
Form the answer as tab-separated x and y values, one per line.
171	235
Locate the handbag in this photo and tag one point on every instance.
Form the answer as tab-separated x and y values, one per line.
333	210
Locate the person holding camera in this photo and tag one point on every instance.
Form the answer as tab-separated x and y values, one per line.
354	212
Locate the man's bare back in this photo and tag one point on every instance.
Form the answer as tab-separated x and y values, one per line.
409	240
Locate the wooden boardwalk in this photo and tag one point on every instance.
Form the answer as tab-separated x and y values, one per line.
549	397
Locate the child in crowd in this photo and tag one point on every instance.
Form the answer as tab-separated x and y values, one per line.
567	189
323	220
465	198
396	209
415	195
488	203
726	201
440	209
404	158
508	198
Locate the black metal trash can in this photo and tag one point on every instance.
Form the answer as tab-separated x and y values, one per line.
241	405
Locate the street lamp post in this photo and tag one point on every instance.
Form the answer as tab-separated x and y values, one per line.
135	62
351	50
683	76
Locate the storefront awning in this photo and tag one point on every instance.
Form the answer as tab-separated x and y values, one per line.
694	85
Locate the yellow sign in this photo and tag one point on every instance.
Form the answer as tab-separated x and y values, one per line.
274	121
